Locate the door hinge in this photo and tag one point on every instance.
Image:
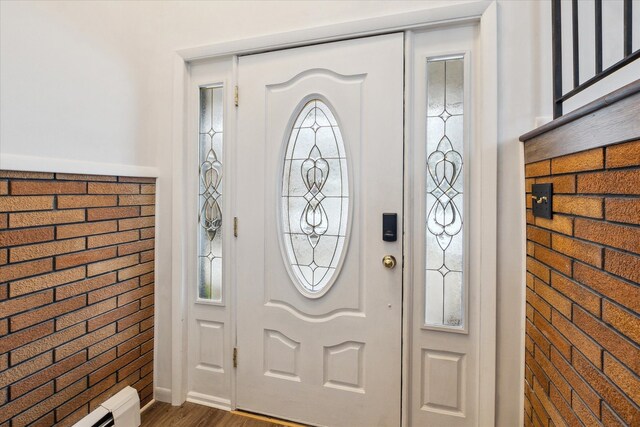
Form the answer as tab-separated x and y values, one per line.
235	357
235	95
235	226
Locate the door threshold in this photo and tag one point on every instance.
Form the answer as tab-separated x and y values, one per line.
268	419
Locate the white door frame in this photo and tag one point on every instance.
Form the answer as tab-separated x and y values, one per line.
482	12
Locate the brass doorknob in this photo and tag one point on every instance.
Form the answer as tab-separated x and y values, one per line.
389	261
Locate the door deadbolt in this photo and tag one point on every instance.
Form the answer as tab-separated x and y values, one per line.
389	261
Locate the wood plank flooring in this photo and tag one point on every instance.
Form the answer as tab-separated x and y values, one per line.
193	415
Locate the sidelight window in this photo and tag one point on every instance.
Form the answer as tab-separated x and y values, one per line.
445	244
210	218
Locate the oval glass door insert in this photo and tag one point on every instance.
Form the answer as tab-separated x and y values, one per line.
314	199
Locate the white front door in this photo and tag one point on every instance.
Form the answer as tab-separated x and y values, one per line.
320	160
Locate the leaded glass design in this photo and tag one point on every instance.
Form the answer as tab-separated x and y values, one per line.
210	195
444	193
314	198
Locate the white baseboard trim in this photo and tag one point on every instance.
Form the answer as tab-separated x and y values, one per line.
18	162
208	400
162	394
147	405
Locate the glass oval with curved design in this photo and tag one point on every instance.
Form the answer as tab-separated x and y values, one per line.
314	199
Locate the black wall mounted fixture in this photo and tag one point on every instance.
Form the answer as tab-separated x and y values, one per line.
389	227
541	200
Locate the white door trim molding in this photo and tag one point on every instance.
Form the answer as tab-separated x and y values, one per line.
445	15
177	385
488	274
484	12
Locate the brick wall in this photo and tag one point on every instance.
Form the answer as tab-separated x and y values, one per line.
76	293
582	359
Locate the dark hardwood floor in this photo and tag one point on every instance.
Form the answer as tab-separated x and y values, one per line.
192	415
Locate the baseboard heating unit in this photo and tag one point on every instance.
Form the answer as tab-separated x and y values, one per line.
121	410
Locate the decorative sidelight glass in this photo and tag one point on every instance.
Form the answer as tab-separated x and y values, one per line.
315	198
445	246
210	194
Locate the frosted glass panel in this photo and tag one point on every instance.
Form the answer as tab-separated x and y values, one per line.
210	195
315	198
444	239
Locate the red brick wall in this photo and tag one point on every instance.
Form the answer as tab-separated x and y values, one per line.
76	293
582	359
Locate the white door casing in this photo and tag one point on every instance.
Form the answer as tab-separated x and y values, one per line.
332	358
186	63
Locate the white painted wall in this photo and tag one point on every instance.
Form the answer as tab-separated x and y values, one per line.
524	82
92	81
